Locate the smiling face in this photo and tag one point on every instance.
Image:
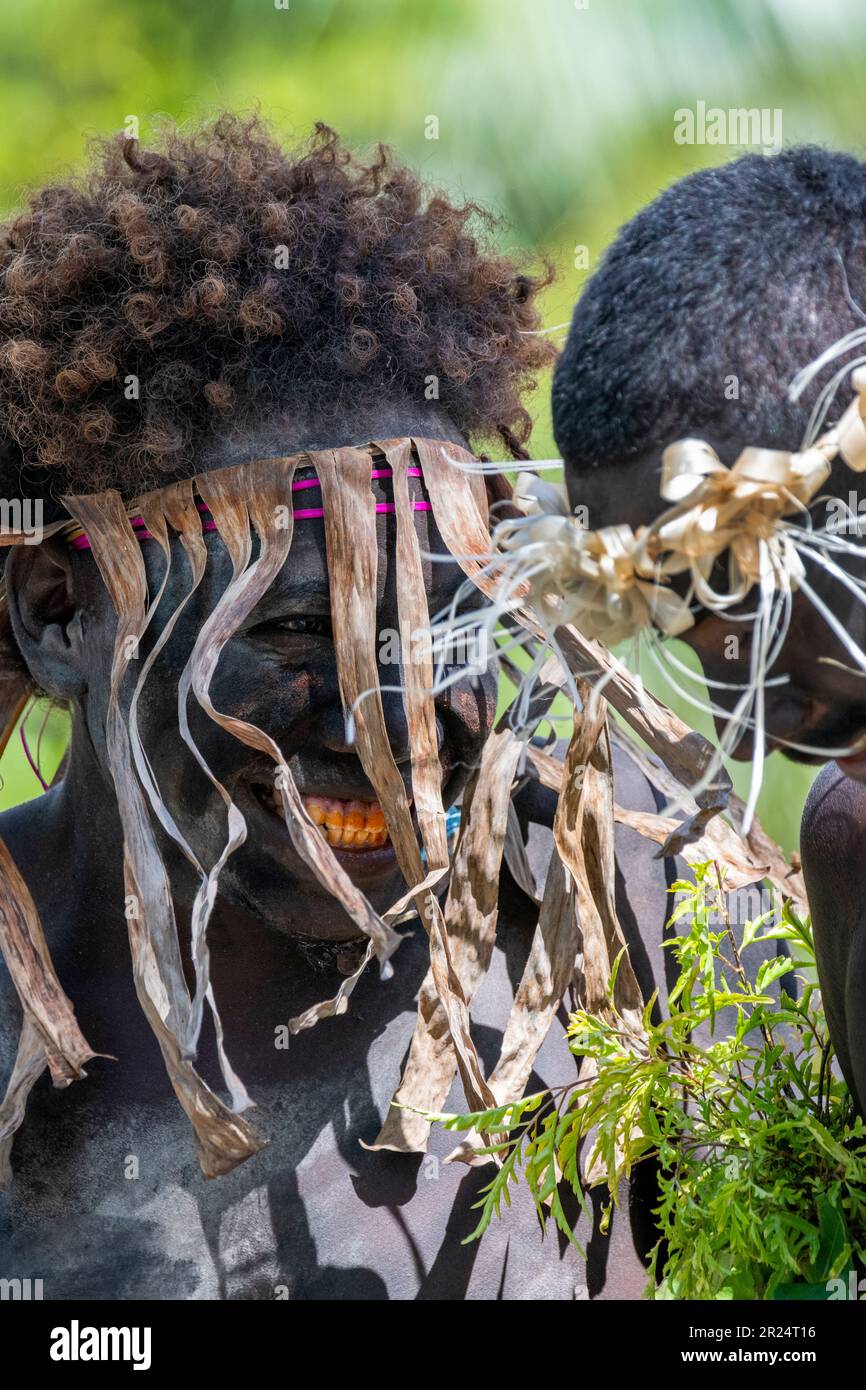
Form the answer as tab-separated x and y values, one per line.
279	672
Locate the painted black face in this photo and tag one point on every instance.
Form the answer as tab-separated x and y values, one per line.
819	704
816	696
279	672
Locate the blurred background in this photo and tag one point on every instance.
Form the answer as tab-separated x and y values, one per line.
557	114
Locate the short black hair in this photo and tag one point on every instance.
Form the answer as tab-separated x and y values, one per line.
735	271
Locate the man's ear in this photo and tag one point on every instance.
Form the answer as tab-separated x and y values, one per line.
45	618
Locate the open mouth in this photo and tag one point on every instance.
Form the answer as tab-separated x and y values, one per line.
353	825
357	825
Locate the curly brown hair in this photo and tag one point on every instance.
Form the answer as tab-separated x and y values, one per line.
223	273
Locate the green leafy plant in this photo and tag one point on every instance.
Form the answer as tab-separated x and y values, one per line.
760	1158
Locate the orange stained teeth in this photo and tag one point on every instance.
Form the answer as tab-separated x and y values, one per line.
348	824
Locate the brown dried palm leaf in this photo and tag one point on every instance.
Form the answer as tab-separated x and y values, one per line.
461	518
546	976
270	508
746	859
578	913
222	1138
32	972
352	548
585	818
30	1063
471	912
338	1003
414	618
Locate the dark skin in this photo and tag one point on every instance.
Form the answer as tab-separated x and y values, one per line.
279	672
833	845
819	703
822	703
313	1214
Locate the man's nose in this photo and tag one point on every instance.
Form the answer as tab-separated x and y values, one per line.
334	735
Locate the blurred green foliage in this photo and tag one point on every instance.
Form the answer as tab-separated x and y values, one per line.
558	114
46	731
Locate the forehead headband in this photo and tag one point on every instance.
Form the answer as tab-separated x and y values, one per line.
79	541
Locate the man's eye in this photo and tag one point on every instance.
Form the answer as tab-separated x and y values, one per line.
297	624
318	627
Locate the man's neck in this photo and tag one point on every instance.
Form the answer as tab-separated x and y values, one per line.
67	845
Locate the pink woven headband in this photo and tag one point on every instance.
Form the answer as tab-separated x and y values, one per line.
301	513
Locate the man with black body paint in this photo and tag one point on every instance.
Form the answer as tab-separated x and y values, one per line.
161	270
706	306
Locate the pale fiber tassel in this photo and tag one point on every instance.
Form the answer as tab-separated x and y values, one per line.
223	1139
30	1063
352	546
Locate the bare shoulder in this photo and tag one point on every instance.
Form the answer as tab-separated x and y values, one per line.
537	803
832	845
642	879
636	856
834	820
